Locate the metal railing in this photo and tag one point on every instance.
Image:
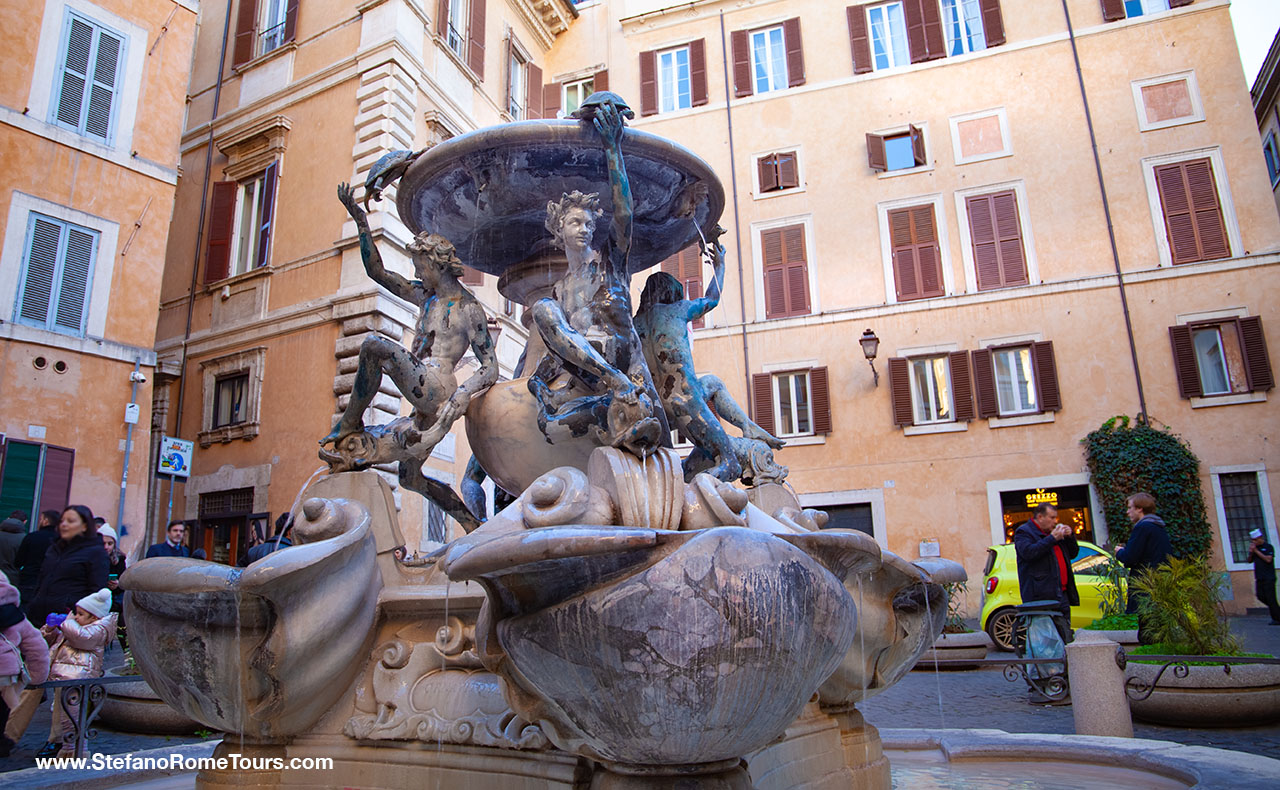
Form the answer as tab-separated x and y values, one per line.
90	694
1138	690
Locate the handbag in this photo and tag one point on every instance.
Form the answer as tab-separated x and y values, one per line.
23	672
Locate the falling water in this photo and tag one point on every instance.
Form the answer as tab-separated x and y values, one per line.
862	652
937	678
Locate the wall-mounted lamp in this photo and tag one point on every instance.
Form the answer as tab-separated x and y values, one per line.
870	345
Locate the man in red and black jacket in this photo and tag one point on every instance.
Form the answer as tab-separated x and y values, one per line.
1045	550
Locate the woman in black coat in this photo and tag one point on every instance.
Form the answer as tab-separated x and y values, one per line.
75	566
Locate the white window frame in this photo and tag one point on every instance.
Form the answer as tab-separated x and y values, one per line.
517	72
917	397
801	186
956	120
896	131
854	496
995	512
458	10
1035	407
757	266
41	101
564	94
783	79
1232	399
12	265
1019	188
1214	154
267	22
672	91
1193	91
952	426
948	41
1268	513
1146	9
775	385
238	230
888	49
1026	418
251	361
886	242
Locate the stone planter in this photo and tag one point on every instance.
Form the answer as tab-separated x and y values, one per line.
134	707
950	647
1207	696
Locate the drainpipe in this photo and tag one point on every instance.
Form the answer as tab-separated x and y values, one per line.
737	223
195	262
1106	209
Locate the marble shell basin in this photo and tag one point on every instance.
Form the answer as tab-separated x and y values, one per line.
660	648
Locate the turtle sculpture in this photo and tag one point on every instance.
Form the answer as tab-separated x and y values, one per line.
587	110
386	171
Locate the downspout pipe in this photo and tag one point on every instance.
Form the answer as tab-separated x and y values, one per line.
737	222
1106	209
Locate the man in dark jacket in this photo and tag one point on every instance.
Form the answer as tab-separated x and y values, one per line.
12	530
1263	555
1045	550
1148	547
31	551
284	527
172	545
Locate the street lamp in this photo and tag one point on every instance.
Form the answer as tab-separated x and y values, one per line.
870	344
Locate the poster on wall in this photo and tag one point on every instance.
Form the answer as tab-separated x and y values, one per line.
175	457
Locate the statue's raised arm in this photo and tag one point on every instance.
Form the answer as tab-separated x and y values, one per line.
706	303
369	252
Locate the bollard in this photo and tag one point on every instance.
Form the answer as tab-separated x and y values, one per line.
1097	687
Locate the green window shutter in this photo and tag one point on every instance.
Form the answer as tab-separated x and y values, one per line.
19	476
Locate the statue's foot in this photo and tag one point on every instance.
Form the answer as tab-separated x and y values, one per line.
761	435
340	432
351	453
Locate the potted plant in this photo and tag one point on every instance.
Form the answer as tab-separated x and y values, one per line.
1183	612
957	640
1114	624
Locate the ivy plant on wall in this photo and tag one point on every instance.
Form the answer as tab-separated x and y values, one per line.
1125	458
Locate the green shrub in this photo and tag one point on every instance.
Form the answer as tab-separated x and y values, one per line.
1182	608
954	623
1114	622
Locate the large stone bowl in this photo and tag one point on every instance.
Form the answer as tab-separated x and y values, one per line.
1207	696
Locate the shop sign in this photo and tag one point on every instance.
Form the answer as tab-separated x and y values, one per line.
1042	497
175	457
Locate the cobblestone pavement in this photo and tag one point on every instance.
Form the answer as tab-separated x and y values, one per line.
982	698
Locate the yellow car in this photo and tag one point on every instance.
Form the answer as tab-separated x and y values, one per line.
1000	590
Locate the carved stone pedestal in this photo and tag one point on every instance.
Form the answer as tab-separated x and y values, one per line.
863	753
725	775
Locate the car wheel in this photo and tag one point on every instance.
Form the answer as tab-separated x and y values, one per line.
1000	627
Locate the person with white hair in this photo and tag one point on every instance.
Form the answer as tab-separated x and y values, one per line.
1263	555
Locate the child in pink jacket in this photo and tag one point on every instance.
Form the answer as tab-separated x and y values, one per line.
75	651
20	645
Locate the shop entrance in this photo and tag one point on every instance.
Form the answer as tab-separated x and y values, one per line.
1072	502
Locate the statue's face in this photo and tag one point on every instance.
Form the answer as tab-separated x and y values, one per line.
429	266
577	228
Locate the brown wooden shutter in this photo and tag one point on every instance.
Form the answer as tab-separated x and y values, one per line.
917	266
533	92
918	154
984	383
1179	3
471	276
906	283
267	223
291	21
996	236
788	171
876	157
795	52
742	85
600	82
1192	214
1184	362
797	270
1050	395
55	486
820	400
508	51
475	39
859	41
442	18
1112	10
914	13
648	82
697	73
934	42
1257	363
992	22
222	206
961	386
767	167
552	93
246	22
900	391
775	282
762	400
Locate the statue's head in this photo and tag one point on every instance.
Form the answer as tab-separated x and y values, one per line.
572	220
433	252
660	288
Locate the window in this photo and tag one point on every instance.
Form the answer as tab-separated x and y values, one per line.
1016	380
859	516
1167	100
232	395
785	271
228	400
768	59
455	24
686	266
1221	357
272	24
889	35
34	477
1272	154
517	85
57	275
460	29
575	93
87	88
979	136
673	80
917	260
777	172
264	26
1193	220
962	24
1120	9
1243	504
995	233
792	403
930	389
898	151
241	218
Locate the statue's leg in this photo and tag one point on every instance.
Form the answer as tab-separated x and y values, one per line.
374	352
569	345
412	478
729	410
706	432
473	493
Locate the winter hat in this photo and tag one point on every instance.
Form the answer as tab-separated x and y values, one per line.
1255	534
97	604
8	593
109	531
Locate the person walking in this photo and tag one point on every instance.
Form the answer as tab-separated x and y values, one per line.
172	544
1148	546
75	566
1263	555
24	657
31	553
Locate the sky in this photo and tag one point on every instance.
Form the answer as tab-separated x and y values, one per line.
1256	22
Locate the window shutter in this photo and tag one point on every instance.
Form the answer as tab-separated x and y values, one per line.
508	49
246	22
1179	3
820	400
917	265
934	42
767	165
75	73
906	283
928	253
222	206
475	39
992	22
600	82
961	386
996	236
1192	214
106	63
55	485
788	171
1111	10
291	21
984	383
900	391
876	157
914	12
1257	363
697	73
775	285
471	276
1050	395
795	52
762	400
859	42
442	18
551	95
1184	362
648	82
917	145
533	92
42	266
73	287
741	63
797	270
268	213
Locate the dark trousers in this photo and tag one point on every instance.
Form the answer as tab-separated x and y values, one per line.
1136	600
1266	592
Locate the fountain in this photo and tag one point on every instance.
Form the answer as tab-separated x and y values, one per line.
630	620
